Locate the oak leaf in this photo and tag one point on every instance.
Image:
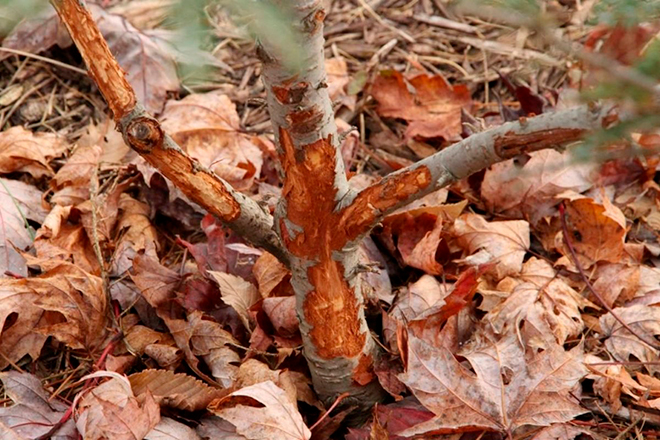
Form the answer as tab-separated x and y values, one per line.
509	388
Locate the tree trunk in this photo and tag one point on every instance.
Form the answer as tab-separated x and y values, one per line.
337	343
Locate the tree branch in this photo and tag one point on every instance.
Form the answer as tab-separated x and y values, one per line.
143	133
469	156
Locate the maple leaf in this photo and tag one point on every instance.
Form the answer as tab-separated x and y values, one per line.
621	343
19	202
546	304
597	232
111	410
24	151
262	411
33	414
624	282
530	191
509	389
207	127
431	106
504	243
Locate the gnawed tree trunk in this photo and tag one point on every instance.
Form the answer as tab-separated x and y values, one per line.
319	220
336	339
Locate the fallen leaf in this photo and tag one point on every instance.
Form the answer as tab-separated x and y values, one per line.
79	299
169	429
19	202
596	231
71	183
282	314
207	127
24	151
33	414
509	389
110	410
530	191
431	106
271	275
262	411
238	293
503	243
338	78
175	390
155	281
136	235
625	346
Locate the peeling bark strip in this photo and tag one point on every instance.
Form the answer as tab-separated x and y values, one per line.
144	134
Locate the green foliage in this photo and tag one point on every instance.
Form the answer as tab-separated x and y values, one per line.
13	11
626	12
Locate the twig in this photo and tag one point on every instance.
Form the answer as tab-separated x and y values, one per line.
44	59
585	278
334	405
143	133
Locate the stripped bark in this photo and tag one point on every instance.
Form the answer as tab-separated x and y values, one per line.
337	344
143	134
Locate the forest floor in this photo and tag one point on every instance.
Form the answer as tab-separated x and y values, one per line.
555	252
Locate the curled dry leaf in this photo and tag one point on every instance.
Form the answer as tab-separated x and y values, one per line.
175	390
33	414
262	411
530	191
19	202
111	411
271	275
597	232
60	238
622	344
71	183
24	151
431	106
207	127
503	243
509	388
238	293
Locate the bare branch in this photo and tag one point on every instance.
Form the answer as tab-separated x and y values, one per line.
143	133
469	156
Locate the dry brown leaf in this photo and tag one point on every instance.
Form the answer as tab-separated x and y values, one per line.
136	235
111	411
269	273
282	314
19	202
169	429
597	232
530	191
375	283
431	106
207	127
548	306
176	390
19	319
338	78
33	413
624	282
262	411
72	181
504	243
562	431
625	346
238	293
78	299
61	239
209	340
510	389
155	281
24	151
